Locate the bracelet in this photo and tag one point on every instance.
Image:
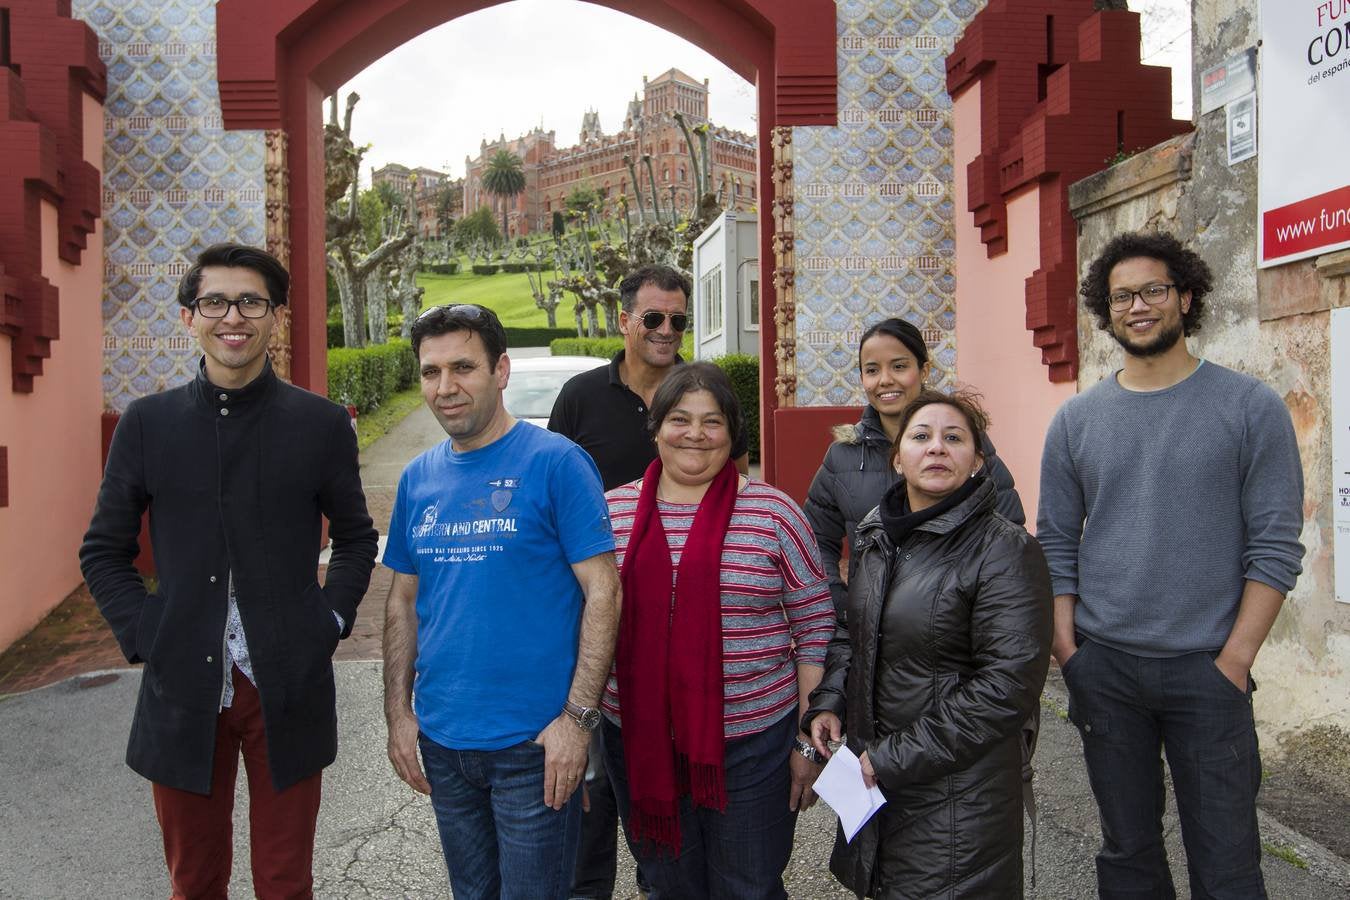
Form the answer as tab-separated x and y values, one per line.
806	750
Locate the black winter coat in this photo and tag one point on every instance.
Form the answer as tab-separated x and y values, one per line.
233	485
853	478
939	659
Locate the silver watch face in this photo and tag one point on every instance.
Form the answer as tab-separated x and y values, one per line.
589	718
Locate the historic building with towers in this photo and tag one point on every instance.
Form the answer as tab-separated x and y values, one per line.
597	160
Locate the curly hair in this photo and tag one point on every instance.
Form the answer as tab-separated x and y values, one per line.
1185	267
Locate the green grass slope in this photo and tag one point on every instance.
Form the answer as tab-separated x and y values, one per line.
508	295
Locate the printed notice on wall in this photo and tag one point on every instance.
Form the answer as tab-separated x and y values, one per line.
1340	449
1241	128
1303	183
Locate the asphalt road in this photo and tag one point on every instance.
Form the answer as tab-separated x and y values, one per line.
76	823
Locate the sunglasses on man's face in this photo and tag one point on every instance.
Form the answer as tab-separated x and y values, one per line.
652	320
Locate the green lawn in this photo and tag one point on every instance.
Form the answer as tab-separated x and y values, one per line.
508	295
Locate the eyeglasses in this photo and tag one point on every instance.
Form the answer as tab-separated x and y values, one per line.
652	320
467	310
215	306
1152	294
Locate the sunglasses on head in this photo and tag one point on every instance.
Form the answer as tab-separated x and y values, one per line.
467	310
652	320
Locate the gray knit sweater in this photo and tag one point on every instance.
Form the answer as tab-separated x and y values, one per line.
1157	506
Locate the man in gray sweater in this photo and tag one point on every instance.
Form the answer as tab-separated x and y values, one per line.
1170	511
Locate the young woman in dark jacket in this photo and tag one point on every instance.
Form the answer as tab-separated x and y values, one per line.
856	471
938	659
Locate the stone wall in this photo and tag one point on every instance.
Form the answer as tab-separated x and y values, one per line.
1272	324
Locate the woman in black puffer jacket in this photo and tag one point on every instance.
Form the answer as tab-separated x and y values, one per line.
856	472
937	661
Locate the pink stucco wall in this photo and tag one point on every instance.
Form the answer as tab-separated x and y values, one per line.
994	353
53	434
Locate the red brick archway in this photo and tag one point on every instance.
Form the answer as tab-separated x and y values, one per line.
278	59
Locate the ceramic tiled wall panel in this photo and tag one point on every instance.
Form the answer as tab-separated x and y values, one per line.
174	182
874	200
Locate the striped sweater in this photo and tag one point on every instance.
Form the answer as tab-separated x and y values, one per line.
776	608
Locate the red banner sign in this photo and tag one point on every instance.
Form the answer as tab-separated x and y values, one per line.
1321	221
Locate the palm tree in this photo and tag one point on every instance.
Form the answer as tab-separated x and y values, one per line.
504	179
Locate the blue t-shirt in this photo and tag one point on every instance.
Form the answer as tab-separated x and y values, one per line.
491	535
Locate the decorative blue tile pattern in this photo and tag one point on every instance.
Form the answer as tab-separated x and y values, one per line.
874	201
174	182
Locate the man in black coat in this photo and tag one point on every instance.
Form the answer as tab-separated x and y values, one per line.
237	469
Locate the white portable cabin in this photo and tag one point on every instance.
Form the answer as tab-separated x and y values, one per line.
726	287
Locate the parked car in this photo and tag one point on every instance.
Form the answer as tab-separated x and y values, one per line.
536	381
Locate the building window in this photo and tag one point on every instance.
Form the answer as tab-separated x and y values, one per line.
711	311
750	315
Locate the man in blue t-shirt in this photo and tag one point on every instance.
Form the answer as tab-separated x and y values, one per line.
500	624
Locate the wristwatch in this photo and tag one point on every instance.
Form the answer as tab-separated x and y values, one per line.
811	753
586	717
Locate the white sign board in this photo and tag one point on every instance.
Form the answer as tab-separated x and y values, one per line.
1230	79
1303	182
1340	449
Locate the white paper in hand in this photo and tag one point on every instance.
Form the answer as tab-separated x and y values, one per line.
841	785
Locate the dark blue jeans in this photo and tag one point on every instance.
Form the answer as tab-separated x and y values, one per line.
498	837
1129	709
737	855
598	848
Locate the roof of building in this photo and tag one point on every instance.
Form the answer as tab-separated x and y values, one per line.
676	75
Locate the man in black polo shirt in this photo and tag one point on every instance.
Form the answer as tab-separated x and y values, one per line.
605	411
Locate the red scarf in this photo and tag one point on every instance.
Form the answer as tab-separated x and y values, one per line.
671	702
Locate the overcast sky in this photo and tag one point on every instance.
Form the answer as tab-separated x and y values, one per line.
528	63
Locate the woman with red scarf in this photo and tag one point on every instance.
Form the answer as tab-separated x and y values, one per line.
726	617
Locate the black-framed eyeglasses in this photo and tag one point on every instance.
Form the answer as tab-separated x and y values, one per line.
216	306
467	310
1152	294
652	320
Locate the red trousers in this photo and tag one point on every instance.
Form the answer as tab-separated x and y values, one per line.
198	830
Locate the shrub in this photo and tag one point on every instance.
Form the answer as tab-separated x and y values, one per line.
515	268
535	337
445	268
337	339
365	377
603	347
743	371
485	268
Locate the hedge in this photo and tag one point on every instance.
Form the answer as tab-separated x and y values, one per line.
604	347
365	377
485	268
741	368
445	268
535	337
337	339
515	268
743	371
515	337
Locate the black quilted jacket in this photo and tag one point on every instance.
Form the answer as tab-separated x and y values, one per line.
938	660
